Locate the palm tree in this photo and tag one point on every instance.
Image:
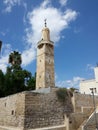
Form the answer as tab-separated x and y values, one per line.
15	58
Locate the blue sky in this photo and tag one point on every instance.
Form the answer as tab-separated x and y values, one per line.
73	26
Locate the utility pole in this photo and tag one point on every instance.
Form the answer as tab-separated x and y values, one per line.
92	91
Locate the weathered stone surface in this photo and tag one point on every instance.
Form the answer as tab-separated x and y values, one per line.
43	110
83	100
45	61
12	110
32	110
83	108
40	111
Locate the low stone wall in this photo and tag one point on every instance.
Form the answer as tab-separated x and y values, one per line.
12	110
83	108
42	110
83	100
31	110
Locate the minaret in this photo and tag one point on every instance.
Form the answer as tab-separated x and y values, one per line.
45	61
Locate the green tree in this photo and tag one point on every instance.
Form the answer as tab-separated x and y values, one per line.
8	84
16	79
1	83
31	83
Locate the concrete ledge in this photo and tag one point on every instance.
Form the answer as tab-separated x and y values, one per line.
10	128
60	127
42	90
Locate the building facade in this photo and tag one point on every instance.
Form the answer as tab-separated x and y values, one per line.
85	85
45	61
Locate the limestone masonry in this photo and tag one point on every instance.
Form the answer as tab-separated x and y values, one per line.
31	110
45	61
43	111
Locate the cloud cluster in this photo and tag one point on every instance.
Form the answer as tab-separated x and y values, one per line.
10	4
63	2
3	63
90	70
70	83
89	67
57	21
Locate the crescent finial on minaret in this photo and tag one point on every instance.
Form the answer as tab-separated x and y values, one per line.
45	22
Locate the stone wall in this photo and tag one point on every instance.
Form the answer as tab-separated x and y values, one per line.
44	110
83	108
82	100
31	110
12	110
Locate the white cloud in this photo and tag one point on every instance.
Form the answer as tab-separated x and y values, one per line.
56	76
10	4
2	33
90	67
70	83
57	21
90	70
46	3
3	63
77	30
28	56
6	49
63	2
25	12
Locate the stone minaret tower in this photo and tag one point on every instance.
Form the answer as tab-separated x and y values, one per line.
45	61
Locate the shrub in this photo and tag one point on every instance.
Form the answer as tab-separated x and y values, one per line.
62	94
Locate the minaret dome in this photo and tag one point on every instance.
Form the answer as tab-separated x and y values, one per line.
45	32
